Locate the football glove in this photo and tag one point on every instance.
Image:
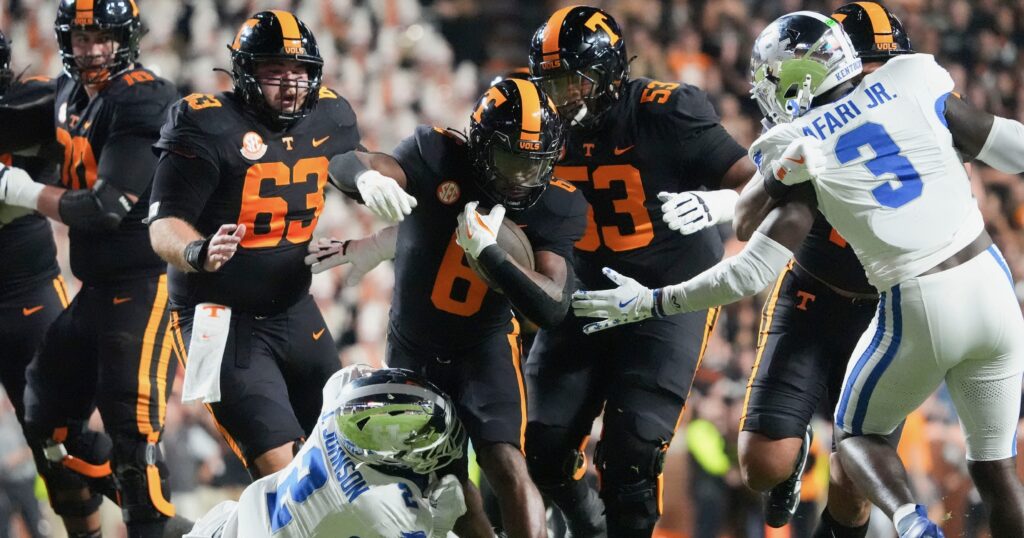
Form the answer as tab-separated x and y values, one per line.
447	504
362	254
384	196
692	211
476	231
17	187
802	161
630	302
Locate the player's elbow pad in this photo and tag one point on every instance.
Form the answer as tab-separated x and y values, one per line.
730	280
524	294
100	209
343	170
1004	147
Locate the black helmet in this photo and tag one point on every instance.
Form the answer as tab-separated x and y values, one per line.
515	137
6	75
579	58
397	418
875	32
120	17
275	35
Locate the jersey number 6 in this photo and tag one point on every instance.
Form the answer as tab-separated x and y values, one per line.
887	161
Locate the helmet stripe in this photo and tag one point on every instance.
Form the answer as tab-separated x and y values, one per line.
238	37
879	19
552	30
839	17
289	30
83	12
135	8
530	98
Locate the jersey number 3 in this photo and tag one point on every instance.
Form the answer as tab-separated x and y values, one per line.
887	162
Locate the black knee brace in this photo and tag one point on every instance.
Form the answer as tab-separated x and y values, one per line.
552	457
629	484
141	478
75	465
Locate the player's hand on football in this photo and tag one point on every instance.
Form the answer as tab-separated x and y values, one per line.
628	303
384	196
223	246
447	503
802	161
362	255
691	211
477	231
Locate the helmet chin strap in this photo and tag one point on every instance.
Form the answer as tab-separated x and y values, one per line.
582	113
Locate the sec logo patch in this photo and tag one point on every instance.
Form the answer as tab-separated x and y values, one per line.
253	147
448	192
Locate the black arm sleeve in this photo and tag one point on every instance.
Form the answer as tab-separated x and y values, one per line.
181	186
703	149
523	292
98	209
343	170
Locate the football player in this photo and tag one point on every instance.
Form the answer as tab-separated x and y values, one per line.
369	468
32	291
630	142
810	326
445	322
239	188
111	348
946	312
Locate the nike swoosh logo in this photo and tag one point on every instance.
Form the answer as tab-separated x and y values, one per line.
316	143
318	334
29	311
121	300
618	151
626	303
801	161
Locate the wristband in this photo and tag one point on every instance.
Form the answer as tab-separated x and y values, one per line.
195	254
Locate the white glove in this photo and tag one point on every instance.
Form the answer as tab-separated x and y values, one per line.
628	303
447	503
692	211
477	232
17	187
802	161
384	196
363	254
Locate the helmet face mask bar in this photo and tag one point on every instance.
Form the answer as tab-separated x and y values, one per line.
515	138
394	418
798	57
276	36
117	19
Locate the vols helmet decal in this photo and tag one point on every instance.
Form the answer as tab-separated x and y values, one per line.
515	137
269	36
875	32
578	57
119	17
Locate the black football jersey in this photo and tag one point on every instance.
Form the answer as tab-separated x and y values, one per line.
657	137
109	138
826	255
270	181
440	304
28	254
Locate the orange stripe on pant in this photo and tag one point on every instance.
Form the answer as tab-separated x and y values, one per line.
62	291
149	342
767	314
513	342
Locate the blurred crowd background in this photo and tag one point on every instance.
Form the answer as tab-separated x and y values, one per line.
405	62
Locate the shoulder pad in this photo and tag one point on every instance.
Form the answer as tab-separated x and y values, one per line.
436	145
203	112
335	107
919	72
29	90
140	85
683	101
564	199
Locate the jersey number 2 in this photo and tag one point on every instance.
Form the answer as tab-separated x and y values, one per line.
298	490
887	162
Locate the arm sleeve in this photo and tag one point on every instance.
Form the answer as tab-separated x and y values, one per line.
412	155
181	187
731	279
703	148
1004	147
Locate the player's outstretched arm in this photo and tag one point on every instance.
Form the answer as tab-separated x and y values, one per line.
182	246
362	254
542	295
750	271
377	179
996	141
689	212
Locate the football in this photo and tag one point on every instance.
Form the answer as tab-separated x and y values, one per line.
512	240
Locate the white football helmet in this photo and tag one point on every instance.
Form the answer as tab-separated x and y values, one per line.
797	58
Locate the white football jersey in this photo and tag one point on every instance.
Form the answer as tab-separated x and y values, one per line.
894	185
323	492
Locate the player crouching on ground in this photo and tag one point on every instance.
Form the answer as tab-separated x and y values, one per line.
368	469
